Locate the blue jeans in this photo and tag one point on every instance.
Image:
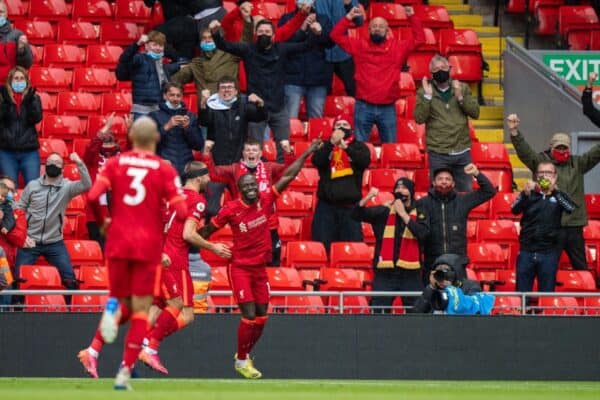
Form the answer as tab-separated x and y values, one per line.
383	116
315	100
56	254
25	162
532	264
457	163
334	224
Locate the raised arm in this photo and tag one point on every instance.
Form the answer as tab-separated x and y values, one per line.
237	49
485	192
85	182
587	101
290	172
339	33
524	151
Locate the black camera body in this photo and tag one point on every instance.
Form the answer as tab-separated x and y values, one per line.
444	275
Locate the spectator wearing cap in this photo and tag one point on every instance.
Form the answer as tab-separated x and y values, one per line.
341	163
399	229
378	61
444	106
571	170
447	211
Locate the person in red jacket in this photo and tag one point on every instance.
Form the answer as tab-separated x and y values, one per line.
266	174
378	60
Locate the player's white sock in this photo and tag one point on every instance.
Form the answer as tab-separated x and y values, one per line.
92	352
240	363
150	351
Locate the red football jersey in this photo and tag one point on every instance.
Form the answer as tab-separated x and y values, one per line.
249	224
176	248
140	183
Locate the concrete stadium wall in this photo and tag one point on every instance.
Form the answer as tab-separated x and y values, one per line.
345	347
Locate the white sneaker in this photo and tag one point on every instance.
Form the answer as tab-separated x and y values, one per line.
122	379
109	323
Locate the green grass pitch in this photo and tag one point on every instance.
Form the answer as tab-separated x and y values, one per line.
219	389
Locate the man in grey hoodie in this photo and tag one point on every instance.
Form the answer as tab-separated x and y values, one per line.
45	201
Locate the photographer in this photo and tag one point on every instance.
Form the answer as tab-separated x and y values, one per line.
449	291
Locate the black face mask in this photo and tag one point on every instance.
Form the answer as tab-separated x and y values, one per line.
347	132
53	171
263	41
441	76
400	196
377	38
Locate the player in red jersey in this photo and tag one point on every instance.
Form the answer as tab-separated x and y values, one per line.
248	218
177	288
140	183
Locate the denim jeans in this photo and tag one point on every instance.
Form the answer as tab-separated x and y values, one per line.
540	264
25	162
56	254
333	224
457	163
279	122
314	96
383	116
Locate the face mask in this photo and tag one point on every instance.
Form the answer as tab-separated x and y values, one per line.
263	41
400	196
300	3
441	76
561	157
544	183
444	191
53	171
208	46
228	102
18	87
347	132
10	197
377	38
172	106
3	21
155	56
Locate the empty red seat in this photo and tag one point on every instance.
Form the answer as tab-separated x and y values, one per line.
84	252
76	103
434	17
507	305
39	277
63	55
93	277
50	79
591	305
459	41
408	131
74	32
575	281
119	103
506	280
340	279
93	80
294	204
466	67
320	128
103	56
88	302
572	18
501	205
49	10
502	179
297	130
300	148
71	172
283	278
289	229
339	105
118	33
298	304
132	11
16	9
269	10
502	232
79	146
486	256
352	305
394	14
49	146
306	254
76	205
91	10
482	211
38	54
401	155
381	198
62	126
306	181
592	205
37	32
351	255
559	305
546	16
591	233
45	302
418	65
490	155
48	102
385	179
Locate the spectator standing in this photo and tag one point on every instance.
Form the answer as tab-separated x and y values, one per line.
16	237
571	170
542	205
15	49
45	201
448	211
399	230
378	62
20	111
146	72
178	127
444	106
341	163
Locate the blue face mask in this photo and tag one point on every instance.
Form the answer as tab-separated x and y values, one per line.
172	106
3	21
18	87
211	46
228	102
300	3
155	56
10	197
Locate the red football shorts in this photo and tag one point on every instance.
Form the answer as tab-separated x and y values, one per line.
176	283
133	278
249	284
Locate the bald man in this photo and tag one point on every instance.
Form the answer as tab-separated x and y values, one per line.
379	60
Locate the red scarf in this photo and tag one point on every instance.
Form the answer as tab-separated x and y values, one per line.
340	162
264	183
409	246
18	100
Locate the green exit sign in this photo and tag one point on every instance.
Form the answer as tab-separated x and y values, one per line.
574	68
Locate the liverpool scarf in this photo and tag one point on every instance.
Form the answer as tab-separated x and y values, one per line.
260	172
409	247
340	162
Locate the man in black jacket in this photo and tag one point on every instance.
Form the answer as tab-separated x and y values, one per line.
448	211
341	163
398	227
264	62
542	205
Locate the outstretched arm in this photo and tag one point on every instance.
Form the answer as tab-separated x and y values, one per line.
290	172
191	236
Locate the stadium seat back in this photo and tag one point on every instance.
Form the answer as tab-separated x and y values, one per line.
37	32
575	281
501	205
339	106
488	256
350	255
507	305
384	179
352	305
490	155
63	127
79	146
118	33
49	146
298	304
103	56
306	181
393	13
77	103
219	278
49	10
559	305
39	277
592	205
466	67
289	229
401	155
91	10
93	277
88	303
79	33
50	79
45	302
284	278
320	128
84	252
306	254
294	204
459	41
132	11
63	55
94	80
502	179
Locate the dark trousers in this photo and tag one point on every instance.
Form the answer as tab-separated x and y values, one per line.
334	224
395	280
94	233
56	254
182	35
464	182
540	264
570	239
276	249
279	122
345	71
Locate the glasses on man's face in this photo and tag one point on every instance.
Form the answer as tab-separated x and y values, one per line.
545	173
227	87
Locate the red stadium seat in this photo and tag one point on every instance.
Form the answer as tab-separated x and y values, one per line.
300	148
294	204
132	11
289	229
351	255
490	155
84	252
383	197
306	181
215	262
268	10
559	306
118	33
418	65
546	15
368	234
401	155
49	146
38	54
63	127
93	277
93	80
459	41
575	281
91	10
591	306
466	67
39	277
297	132
80	33
572	18
71	172
407	85
74	226
48	102
352	305
486	256
394	14
76	205
501	205
37	32
74	103
408	131
283	278
591	234
103	56
482	211
506	280
16	9
306	254
507	305
385	179
63	55
49	10
96	122
340	279
320	127
88	302
119	103
50	79
502	232
298	304
434	17
45	302
79	146
592	205
501	179
339	105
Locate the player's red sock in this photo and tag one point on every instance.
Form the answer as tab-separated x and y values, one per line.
181	322
245	335
165	324
259	326
134	338
98	341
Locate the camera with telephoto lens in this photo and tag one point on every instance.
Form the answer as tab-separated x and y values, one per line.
441	275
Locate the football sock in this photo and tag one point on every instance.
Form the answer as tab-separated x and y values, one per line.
259	326
98	342
244	338
166	324
134	338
